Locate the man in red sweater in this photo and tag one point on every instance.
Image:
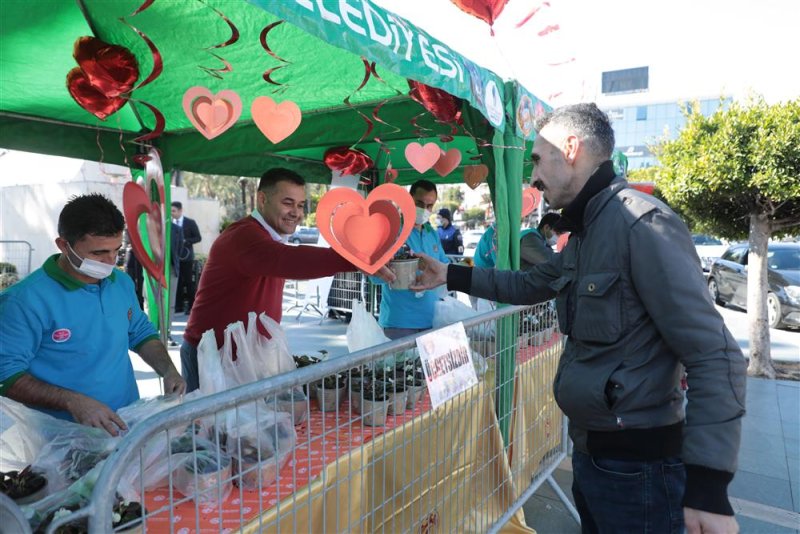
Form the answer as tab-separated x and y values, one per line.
249	263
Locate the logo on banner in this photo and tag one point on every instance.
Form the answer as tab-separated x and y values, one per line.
61	335
494	104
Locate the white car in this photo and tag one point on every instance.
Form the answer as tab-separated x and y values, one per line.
709	249
471	239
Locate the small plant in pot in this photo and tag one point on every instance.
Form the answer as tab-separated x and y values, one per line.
374	405
415	385
404	265
304	360
331	392
24	486
126	516
398	396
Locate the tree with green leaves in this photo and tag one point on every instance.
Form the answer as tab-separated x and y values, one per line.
736	174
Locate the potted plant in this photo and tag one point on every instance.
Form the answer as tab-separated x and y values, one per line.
203	472
24	486
404	265
374	405
331	392
293	402
304	360
397	394
415	385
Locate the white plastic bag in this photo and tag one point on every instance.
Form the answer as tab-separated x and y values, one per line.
363	331
450	310
272	354
209	364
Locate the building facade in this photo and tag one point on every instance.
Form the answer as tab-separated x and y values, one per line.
640	121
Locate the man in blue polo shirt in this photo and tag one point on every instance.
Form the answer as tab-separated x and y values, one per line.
405	312
66	329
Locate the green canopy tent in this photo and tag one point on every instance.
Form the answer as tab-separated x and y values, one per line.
318	58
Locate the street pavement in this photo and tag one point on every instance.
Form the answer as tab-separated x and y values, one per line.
765	491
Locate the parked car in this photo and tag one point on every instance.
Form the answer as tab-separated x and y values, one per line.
471	239
305	234
727	282
708	249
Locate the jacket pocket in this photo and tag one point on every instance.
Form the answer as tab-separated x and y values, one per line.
598	313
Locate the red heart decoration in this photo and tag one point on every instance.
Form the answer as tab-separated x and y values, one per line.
474	175
448	161
111	69
136	202
348	161
89	97
486	10
422	157
530	200
366	232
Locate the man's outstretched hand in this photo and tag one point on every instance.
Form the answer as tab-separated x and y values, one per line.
432	273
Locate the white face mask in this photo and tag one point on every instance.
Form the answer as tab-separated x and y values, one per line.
423	216
439	221
91	268
552	240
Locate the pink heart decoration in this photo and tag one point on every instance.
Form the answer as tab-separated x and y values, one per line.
366	232
136	202
448	161
276	121
211	114
474	175
530	200
422	157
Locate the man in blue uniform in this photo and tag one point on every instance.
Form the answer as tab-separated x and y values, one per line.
449	235
66	329
405	312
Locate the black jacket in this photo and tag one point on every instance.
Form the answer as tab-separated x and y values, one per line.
191	235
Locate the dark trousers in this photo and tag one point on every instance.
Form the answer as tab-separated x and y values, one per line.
186	286
189	367
628	496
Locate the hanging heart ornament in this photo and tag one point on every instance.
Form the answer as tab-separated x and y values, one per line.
366	232
211	114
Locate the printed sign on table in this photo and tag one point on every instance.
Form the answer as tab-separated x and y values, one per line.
446	362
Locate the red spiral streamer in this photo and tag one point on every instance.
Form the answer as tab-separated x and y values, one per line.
265	45
218	72
158	67
367	120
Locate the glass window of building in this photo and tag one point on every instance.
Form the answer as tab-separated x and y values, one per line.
625	80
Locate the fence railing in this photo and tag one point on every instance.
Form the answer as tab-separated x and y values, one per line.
18	254
349	460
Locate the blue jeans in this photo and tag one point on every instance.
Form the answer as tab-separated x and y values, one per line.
628	495
189	368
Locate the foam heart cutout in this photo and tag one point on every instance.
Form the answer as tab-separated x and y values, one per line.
365	242
276	121
448	161
211	114
530	200
136	202
474	175
422	157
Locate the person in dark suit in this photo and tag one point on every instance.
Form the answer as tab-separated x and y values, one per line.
191	235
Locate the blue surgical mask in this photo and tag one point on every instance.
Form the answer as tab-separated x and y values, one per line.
91	268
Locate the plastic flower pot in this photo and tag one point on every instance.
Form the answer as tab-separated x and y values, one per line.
330	398
373	412
293	402
405	272
248	471
415	393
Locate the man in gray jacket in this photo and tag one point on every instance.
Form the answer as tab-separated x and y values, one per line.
632	301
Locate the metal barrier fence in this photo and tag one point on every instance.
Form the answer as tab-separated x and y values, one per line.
18	254
367	463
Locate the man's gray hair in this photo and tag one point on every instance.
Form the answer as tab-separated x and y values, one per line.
585	121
